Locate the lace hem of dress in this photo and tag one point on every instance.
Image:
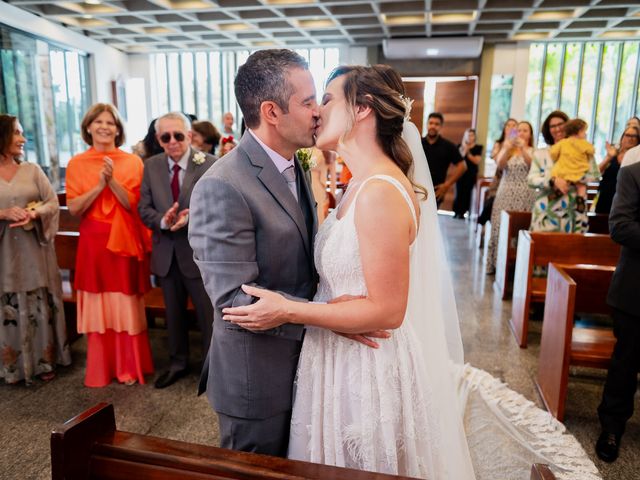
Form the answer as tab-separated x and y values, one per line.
522	421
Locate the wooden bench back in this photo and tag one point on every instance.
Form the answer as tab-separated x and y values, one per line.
540	248
571	289
66	244
511	222
68	222
62	199
573	248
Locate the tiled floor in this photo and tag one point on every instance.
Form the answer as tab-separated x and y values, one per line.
29	413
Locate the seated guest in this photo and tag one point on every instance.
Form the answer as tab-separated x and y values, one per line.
33	335
204	136
552	212
472	154
168	180
112	269
514	159
611	164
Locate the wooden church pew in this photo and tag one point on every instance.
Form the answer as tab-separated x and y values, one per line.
538	249
90	447
68	222
511	223
571	289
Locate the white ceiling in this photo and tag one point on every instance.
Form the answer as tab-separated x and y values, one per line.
176	25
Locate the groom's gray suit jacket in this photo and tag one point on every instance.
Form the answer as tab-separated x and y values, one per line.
247	228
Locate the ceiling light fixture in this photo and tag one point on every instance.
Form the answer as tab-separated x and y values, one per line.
457	17
619	34
404	19
233	27
530	36
289	2
553	15
315	23
93	2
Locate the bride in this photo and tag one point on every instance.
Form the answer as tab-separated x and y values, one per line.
408	406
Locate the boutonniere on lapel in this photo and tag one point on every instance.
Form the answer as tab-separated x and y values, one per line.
199	158
305	157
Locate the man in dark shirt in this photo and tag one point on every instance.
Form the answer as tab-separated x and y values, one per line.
441	153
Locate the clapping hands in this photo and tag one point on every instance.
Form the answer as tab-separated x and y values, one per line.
612	151
175	220
106	174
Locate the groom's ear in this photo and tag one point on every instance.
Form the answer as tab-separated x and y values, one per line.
270	112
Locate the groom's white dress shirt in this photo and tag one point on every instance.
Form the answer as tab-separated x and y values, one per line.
279	161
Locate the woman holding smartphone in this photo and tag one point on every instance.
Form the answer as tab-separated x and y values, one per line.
514	159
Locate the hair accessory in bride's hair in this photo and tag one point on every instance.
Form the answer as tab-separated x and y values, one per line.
408	102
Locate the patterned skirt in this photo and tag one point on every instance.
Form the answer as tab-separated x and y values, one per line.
33	335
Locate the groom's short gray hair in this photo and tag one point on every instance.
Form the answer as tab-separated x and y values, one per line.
264	77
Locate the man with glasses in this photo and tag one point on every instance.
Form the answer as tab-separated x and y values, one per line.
165	194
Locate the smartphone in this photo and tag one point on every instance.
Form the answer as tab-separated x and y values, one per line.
513	133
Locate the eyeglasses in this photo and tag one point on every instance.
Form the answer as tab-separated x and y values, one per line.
556	125
166	137
630	135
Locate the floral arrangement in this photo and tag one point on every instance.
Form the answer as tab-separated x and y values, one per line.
305	157
199	158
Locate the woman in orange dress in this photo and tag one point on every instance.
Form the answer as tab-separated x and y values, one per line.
112	270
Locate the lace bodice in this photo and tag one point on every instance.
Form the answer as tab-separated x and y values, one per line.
337	252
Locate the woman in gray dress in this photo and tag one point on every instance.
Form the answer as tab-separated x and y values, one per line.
32	329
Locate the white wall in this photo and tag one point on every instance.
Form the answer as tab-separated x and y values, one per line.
106	63
513	59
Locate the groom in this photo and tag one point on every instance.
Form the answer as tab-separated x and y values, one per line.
253	222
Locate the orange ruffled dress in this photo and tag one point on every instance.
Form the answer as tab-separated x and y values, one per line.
112	271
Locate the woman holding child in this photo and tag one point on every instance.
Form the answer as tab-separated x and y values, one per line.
553	212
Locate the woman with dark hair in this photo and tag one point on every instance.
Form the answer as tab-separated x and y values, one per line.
514	159
472	154
205	136
552	212
610	165
33	336
112	270
148	146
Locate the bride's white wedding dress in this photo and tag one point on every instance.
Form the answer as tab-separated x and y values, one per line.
399	409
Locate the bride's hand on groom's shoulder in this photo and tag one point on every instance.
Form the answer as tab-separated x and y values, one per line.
268	312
